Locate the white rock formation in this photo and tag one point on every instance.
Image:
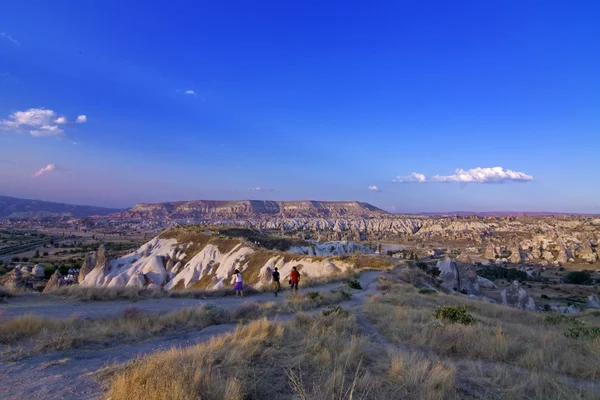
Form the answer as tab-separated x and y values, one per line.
516	296
154	265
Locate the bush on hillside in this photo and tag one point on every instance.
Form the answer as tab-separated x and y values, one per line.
313	295
581	331
427	291
354	284
579	278
335	310
454	314
497	272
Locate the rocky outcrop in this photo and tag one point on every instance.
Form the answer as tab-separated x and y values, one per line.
54	283
158	263
585	252
38	271
449	274
515	296
88	265
592	301
13	280
489	252
515	255
462	277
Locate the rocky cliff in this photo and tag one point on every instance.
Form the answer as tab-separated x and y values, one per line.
207	209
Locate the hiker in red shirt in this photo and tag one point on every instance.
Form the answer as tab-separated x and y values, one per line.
294	279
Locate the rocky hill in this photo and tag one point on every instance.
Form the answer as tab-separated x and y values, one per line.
190	257
211	209
12	207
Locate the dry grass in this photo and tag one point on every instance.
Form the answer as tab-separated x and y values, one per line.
133	324
6	293
82	293
361	261
40	334
501	334
311	358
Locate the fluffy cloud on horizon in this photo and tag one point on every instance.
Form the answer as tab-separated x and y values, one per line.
48	168
475	175
374	188
39	121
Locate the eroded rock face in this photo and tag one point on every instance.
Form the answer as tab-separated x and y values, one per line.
87	266
449	274
515	296
462	277
38	271
489	252
54	283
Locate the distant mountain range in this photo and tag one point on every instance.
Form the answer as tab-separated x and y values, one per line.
207	209
12	207
497	213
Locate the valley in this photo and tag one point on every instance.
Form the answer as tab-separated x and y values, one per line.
77	292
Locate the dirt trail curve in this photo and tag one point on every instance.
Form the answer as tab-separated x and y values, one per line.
66	375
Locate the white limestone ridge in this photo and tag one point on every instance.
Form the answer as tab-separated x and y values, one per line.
160	263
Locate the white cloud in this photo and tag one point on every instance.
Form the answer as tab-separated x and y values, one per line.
46	169
475	175
260	189
31	117
374	189
10	38
39	122
47	130
414	177
190	91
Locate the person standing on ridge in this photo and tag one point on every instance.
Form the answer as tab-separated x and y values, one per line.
239	287
294	279
276	283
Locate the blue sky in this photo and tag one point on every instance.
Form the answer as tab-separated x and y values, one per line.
305	100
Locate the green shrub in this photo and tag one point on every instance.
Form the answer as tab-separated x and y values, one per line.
48	271
579	278
337	310
314	295
555	319
581	331
354	284
454	314
427	291
3	271
497	272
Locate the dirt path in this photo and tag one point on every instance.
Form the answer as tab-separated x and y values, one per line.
66	375
63	308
